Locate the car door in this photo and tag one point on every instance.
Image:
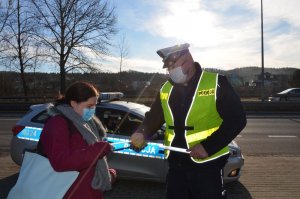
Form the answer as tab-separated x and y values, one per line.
149	164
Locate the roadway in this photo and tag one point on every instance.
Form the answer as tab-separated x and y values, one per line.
270	144
271	136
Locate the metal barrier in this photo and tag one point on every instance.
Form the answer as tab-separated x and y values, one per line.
293	107
249	107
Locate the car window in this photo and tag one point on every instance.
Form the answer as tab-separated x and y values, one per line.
297	91
41	117
119	122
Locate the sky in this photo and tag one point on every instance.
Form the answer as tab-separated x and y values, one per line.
222	34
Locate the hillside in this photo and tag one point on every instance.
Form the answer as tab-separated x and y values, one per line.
130	82
249	73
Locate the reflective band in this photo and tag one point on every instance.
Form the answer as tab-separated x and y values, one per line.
169	136
199	136
220	153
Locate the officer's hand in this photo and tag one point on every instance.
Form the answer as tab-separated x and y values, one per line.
198	152
138	142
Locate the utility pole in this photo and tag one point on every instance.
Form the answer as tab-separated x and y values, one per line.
262	53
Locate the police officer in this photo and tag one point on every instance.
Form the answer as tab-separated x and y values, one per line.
203	114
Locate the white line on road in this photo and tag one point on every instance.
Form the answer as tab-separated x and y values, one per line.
282	136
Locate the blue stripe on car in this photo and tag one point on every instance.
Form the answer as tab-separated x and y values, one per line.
152	150
30	133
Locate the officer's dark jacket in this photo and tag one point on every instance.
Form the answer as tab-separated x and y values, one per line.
228	105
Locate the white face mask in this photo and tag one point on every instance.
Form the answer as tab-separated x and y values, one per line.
177	75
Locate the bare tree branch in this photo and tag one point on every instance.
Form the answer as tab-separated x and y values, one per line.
123	49
68	27
18	44
5	13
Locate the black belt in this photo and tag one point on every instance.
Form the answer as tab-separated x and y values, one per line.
188	128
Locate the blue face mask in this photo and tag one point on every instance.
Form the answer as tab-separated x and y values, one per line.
88	113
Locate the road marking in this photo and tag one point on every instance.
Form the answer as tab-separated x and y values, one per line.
282	136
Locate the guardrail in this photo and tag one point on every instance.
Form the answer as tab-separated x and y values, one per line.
249	107
292	107
19	99
14	107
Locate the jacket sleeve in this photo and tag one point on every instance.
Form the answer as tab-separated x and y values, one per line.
154	119
231	111
56	141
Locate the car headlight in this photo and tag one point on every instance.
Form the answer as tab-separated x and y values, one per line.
274	99
234	173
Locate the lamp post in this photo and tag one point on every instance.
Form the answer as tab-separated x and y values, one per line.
262	52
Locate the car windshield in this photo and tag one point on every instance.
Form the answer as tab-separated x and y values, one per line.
120	120
141	110
285	91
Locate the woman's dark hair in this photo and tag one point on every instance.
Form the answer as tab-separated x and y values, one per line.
78	92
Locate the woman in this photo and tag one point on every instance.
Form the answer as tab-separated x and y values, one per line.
72	140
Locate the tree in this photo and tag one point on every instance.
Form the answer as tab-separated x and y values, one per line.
296	78
123	53
73	31
17	42
5	12
123	49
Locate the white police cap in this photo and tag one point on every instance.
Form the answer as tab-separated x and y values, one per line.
164	53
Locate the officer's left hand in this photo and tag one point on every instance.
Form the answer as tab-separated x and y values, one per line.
198	152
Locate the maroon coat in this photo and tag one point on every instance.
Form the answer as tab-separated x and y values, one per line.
68	151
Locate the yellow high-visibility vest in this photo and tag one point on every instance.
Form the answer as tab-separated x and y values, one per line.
202	119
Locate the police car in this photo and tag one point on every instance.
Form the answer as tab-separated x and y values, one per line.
121	118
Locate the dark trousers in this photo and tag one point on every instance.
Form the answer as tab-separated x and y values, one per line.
195	185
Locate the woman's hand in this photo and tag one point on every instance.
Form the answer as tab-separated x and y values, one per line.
113	175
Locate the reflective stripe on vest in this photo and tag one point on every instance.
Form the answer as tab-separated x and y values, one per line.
203	109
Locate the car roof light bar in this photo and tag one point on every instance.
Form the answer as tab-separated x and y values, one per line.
111	95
